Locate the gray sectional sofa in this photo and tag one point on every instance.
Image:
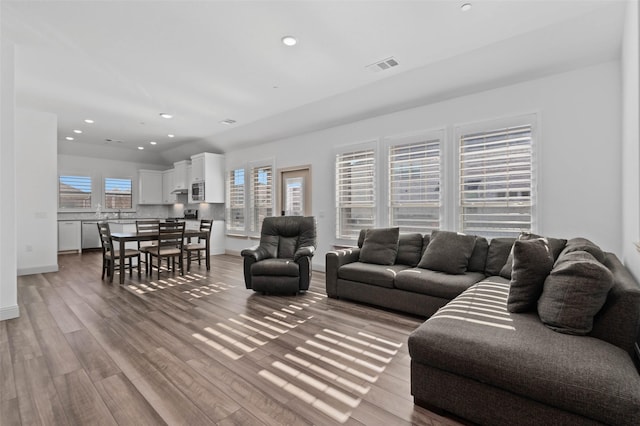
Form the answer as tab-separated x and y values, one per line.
522	339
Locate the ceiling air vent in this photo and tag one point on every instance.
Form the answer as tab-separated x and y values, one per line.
228	122
383	65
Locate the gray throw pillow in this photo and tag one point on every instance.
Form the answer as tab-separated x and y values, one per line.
532	263
574	292
448	252
556	245
380	246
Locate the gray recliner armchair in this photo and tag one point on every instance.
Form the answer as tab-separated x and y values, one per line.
282	261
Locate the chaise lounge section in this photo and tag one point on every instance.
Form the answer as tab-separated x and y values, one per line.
559	349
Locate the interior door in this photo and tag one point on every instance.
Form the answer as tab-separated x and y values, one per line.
295	192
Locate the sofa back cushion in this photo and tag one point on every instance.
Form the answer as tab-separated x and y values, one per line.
618	322
479	255
556	245
574	292
409	249
582	244
380	246
497	255
448	252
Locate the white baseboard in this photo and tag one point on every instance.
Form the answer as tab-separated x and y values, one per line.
38	270
233	252
9	312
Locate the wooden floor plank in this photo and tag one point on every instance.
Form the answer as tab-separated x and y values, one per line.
126	404
82	402
200	349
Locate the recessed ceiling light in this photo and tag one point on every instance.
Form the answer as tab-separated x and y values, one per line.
141	148
289	40
69	138
171	135
465	7
165	115
77	131
153	142
90	121
228	122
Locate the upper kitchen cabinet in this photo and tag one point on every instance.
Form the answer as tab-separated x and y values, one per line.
180	176
207	172
150	187
169	196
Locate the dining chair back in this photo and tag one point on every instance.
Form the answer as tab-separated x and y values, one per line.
200	246
111	256
170	245
151	228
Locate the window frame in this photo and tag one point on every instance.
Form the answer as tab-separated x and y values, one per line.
104	194
488	126
247	229
429	137
254	227
373	146
62	208
230	206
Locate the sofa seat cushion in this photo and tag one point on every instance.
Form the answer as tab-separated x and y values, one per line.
276	267
474	336
379	275
434	283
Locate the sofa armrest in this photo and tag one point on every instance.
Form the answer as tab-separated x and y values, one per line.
333	261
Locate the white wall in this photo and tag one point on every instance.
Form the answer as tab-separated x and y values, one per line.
8	282
579	189
36	145
631	138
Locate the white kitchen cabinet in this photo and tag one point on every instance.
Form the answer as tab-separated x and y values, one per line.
69	236
209	168
128	227
150	187
189	179
197	168
180	178
168	197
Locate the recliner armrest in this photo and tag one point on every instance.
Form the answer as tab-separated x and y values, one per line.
259	253
304	251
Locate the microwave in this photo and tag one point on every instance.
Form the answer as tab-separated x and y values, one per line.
197	191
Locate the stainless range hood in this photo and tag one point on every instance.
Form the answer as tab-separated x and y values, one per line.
179	191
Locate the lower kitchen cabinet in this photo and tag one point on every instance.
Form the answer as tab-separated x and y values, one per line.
69	235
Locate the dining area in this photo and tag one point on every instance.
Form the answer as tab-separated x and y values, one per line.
163	247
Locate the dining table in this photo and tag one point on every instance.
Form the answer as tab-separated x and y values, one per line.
123	237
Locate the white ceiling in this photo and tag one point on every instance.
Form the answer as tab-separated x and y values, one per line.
122	63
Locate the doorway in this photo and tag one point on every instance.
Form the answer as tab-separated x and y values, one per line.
295	191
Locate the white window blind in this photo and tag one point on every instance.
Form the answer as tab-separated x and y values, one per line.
414	186
74	192
261	195
496	181
355	192
235	200
117	193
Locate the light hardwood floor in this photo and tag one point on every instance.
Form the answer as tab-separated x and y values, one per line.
199	350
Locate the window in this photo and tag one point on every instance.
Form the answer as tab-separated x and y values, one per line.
117	194
355	192
496	181
74	192
261	198
414	186
235	200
